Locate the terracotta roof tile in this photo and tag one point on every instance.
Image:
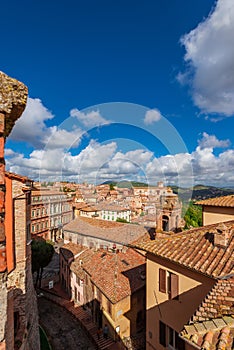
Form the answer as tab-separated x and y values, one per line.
216	334
17	177
117	275
224	201
219	301
107	230
195	249
70	250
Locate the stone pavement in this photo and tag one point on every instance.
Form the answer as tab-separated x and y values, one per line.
84	318
63	331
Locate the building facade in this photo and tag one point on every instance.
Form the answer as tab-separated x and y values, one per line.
50	210
111	285
182	272
22	317
218	209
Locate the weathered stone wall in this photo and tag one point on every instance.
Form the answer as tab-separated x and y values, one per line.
13	97
16	288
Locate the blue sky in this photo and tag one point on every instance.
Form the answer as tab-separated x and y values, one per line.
168	64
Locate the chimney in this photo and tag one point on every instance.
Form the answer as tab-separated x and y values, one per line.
221	235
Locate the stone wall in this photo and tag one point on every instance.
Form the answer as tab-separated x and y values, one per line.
17	293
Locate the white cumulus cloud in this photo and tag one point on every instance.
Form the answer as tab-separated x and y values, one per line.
211	141
90	119
152	116
31	127
210	61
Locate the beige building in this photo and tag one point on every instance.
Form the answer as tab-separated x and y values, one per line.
182	271
50	210
218	209
111	285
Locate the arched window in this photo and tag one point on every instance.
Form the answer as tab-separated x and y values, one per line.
165	223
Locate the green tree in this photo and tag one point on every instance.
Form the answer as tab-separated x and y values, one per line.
42	253
111	187
122	220
193	216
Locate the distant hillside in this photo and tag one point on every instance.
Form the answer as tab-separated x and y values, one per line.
200	192
125	184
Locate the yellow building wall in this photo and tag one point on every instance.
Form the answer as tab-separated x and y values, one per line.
213	215
193	288
124	314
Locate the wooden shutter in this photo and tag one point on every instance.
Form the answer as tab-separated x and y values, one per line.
162	280
174	286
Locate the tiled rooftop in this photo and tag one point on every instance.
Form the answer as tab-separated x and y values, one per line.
212	325
70	250
108	230
224	201
216	334
117	275
17	177
195	249
110	207
219	301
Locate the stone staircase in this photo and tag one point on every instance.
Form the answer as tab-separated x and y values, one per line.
85	320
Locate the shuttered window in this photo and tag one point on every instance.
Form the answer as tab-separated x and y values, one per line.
174	286
162	280
169	283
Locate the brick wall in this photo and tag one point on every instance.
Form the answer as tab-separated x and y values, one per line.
20	279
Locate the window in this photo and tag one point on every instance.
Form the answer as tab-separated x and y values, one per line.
168	337
173	286
169	283
174	341
162	333
162	280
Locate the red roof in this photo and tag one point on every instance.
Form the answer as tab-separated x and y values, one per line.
195	249
107	230
225	201
117	275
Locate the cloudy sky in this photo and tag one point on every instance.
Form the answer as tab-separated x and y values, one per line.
122	90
